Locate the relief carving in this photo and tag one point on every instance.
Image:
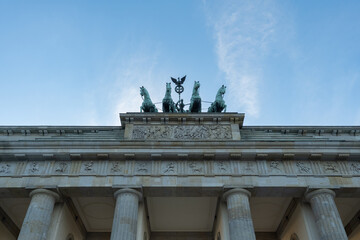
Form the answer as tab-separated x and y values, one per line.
185	132
34	167
88	166
222	166
302	168
140	133
141	167
5	168
115	167
355	167
169	168
151	132
275	166
195	168
61	167
330	167
249	167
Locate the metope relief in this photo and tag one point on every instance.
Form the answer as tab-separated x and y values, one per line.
5	168
196	168
185	132
33	168
275	167
116	167
168	168
354	167
248	167
222	167
178	168
61	167
330	168
302	167
88	167
142	168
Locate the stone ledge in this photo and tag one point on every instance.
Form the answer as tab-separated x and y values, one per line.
182	118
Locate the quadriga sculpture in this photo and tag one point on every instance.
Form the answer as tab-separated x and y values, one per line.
168	104
219	104
195	101
147	105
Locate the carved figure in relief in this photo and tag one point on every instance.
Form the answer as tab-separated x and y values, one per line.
34	167
147	105
220	132
159	132
168	104
142	167
61	167
355	167
115	167
89	166
219	104
195	101
302	168
5	168
170	168
182	132
274	165
249	167
330	167
222	166
195	168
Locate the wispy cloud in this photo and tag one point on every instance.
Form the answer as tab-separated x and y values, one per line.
243	31
137	71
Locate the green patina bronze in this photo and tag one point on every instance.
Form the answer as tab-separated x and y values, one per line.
195	101
180	106
168	104
147	105
219	104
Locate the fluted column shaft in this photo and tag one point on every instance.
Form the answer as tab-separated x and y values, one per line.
326	214
38	215
240	222
126	214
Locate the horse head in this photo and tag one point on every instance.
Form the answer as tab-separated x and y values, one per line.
168	88
222	90
144	93
196	85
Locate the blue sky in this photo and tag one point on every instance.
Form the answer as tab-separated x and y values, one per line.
82	62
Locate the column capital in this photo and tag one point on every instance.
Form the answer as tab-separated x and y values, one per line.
45	191
38	216
310	195
236	191
128	190
126	214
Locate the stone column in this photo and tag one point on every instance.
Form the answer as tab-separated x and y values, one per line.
326	214
38	215
240	222
126	213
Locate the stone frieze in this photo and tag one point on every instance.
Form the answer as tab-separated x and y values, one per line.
180	168
182	132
